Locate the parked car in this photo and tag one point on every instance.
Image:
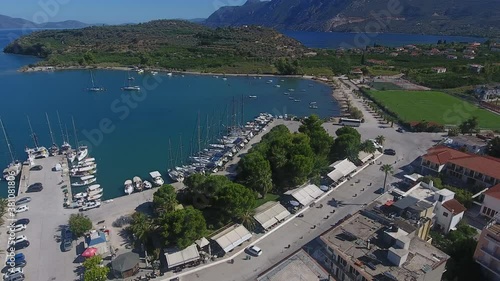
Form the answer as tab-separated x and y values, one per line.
36	188
15	270
22	221
68	234
17	228
23	201
19	276
36	168
22	208
21	245
401	130
67	245
390	151
18	239
254	250
17	263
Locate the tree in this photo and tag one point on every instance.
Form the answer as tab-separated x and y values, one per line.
469	126
141	226
89	58
94	271
320	140
453	132
348	131
165	199
380	139
183	227
345	146
247	219
235	199
494	147
79	224
387	169
255	172
368	147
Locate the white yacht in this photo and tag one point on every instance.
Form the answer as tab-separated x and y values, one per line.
129	187
138	184
95	188
131	88
176	176
95	196
91	205
82	153
83	169
85	181
169	74
147	185
80	195
157	179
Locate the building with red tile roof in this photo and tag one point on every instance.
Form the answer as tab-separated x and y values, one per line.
491	202
470	168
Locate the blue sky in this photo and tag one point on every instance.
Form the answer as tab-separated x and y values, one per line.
112	11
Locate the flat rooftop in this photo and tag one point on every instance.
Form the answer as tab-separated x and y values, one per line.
297	267
350	239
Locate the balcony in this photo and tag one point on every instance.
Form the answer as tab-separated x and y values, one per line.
487	266
491	253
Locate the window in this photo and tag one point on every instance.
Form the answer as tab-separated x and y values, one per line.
441	197
445	214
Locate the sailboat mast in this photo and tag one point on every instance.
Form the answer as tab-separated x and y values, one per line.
67	134
199	136
50	129
92	78
7	141
60	126
33	135
242	111
180	148
74	129
170	154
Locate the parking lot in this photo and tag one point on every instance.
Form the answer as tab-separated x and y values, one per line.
45	259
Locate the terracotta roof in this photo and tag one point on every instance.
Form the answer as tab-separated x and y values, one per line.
494	191
454	206
485	165
442	154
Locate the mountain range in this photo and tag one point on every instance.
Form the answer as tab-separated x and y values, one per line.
454	17
7	22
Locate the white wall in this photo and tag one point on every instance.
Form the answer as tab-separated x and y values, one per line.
455	220
490	202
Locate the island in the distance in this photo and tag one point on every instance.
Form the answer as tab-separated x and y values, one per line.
165	44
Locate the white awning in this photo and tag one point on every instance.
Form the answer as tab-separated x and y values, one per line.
364	156
232	237
270	213
202	242
177	258
306	194
341	169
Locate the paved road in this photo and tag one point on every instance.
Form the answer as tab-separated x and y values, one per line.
299	231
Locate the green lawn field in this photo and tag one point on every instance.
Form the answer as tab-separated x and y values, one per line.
434	106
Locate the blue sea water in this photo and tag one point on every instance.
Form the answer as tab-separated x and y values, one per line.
132	134
333	40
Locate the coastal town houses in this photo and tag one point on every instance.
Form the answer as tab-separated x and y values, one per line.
491	202
487	94
471	169
487	253
368	247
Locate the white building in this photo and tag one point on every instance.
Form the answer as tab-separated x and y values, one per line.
491	202
449	212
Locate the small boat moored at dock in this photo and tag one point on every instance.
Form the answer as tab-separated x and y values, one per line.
129	187
138	184
157	179
85	181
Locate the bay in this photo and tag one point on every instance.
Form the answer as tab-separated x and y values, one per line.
129	133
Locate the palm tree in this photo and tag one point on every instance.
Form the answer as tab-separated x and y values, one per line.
141	226
380	139
387	169
247	219
368	147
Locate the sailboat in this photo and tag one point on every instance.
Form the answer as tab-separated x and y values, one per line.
130	87
38	151
14	168
95	88
54	149
82	151
65	147
175	175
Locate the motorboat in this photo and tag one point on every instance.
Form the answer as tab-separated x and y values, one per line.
225	78
83	174
147	185
93	187
12	170
176	176
71	155
313	102
91	205
169	74
138	184
80	195
83	165
154	72
87	160
296	100
157	179
85	181
140	71
269	81
252	97
84	169
277	86
129	188
82	153
313	106
94	197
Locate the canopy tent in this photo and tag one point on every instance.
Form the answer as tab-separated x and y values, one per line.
177	258
305	195
202	242
364	156
232	237
270	214
89	252
125	265
341	169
